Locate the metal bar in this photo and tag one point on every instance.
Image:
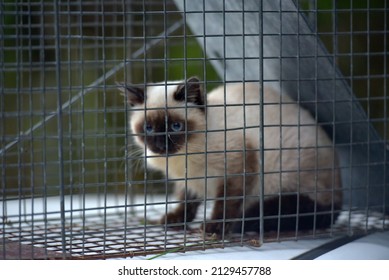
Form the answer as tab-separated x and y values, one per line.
57	31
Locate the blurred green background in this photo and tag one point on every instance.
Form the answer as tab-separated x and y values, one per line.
97	36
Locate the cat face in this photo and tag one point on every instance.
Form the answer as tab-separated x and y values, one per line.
166	116
163	132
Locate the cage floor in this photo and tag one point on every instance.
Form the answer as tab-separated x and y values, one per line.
92	227
98	230
97	238
100	237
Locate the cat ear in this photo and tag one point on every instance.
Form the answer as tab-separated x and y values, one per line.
190	91
134	95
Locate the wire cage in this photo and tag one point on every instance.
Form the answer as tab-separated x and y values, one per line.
73	184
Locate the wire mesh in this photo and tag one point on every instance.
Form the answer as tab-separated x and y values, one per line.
72	182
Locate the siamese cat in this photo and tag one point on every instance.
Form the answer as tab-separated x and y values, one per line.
214	148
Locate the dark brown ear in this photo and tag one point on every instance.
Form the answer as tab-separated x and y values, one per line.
190	91
134	95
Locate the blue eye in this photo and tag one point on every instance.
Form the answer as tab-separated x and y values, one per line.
149	128
177	126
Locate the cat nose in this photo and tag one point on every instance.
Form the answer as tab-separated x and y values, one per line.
160	143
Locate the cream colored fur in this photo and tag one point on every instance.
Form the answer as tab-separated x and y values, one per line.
298	155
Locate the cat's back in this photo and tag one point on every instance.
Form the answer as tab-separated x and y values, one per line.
234	94
237	108
237	103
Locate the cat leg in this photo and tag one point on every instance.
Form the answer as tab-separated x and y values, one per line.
227	207
280	214
183	213
311	215
231	198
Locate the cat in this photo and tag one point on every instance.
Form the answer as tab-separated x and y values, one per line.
213	147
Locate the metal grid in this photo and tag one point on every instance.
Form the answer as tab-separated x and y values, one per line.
73	187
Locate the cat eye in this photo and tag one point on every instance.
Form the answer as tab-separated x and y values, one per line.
176	126
149	128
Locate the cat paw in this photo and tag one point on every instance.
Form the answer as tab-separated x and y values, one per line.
215	228
172	221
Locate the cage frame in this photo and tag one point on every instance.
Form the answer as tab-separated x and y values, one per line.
374	151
